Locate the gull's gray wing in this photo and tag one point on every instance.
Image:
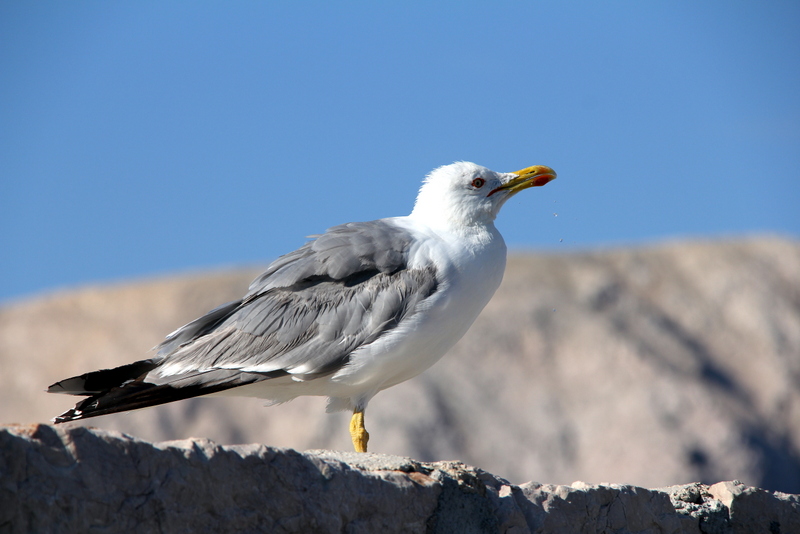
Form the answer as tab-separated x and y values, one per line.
307	329
311	307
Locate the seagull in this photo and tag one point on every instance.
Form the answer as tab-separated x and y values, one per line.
357	309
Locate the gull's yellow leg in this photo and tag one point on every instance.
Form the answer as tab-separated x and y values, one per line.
358	433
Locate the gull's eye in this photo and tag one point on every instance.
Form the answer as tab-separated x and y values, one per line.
477	183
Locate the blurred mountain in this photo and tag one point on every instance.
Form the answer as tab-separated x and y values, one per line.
651	366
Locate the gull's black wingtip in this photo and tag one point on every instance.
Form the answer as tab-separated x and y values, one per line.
101	381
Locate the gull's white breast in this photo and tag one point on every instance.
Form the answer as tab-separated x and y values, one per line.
469	268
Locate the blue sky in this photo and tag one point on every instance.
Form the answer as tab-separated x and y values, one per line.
144	138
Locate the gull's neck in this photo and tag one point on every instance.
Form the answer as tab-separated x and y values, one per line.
443	222
445	214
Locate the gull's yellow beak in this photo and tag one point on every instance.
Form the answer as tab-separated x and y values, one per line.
535	176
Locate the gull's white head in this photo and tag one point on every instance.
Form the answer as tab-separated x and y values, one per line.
466	194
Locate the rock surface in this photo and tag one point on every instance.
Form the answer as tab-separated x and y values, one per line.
650	366
88	480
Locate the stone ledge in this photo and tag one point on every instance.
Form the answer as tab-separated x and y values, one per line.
62	479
